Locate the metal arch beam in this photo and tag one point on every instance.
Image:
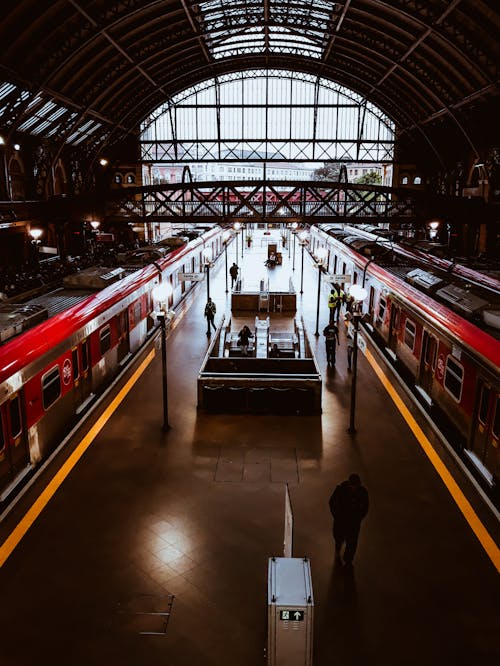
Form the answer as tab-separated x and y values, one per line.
199	37
115	45
331	43
469	64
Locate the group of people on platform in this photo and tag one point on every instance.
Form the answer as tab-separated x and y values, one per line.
16	280
336	299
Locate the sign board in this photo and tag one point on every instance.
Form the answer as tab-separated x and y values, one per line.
361	341
190	277
339	277
292	615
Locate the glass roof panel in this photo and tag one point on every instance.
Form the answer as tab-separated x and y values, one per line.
298	27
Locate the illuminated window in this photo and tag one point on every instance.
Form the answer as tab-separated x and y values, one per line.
51	387
382	307
15	417
453	378
105	339
410	332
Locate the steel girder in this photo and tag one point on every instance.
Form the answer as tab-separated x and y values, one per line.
253	201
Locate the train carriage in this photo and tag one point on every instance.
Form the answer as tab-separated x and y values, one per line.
51	373
450	361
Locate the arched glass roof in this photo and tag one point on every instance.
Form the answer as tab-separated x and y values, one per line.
262	115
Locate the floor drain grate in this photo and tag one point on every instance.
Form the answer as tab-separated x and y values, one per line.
146	614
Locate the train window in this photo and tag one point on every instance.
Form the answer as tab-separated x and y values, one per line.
483	404
410	332
85	356
496	418
137	312
105	339
382	306
51	387
453	378
74	361
15	417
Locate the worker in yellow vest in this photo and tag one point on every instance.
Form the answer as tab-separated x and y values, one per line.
335	300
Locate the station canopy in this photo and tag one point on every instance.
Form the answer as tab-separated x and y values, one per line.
89	72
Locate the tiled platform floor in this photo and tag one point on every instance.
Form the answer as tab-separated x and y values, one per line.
195	513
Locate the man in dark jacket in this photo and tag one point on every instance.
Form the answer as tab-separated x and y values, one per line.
331	333
348	505
210	311
233	272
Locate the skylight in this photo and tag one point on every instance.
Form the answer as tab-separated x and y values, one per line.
277	26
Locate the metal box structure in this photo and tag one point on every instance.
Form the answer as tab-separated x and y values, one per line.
290	612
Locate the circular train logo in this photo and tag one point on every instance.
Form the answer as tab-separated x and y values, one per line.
66	372
440	367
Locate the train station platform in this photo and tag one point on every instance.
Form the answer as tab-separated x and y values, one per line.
151	548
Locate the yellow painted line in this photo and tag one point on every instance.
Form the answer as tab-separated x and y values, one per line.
463	504
36	509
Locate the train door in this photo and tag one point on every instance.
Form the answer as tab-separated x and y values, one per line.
486	426
82	375
122	333
14	450
394	327
427	362
371	303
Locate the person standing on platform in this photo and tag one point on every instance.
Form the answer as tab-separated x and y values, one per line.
244	339
233	272
335	300
348	505
210	311
349	301
331	333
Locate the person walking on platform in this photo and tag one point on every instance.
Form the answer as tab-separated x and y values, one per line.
210	311
331	333
348	505
233	272
335	300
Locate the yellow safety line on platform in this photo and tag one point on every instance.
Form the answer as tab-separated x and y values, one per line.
36	509
463	504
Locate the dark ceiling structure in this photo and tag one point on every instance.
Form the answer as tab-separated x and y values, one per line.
89	71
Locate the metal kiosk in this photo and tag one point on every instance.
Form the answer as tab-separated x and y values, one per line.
289	612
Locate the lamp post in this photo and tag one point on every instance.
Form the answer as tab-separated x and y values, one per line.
207	263
161	294
225	240
242	239
35	241
303	241
320	262
294	232
359	294
236	227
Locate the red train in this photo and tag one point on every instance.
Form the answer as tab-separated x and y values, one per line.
51	373
443	337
